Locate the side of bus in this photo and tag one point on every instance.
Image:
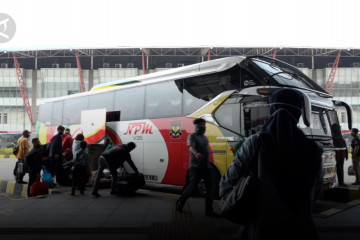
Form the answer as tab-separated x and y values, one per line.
151	115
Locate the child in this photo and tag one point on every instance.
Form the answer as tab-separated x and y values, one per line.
34	162
81	162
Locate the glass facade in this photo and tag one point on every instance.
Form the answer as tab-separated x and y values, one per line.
346	88
13	116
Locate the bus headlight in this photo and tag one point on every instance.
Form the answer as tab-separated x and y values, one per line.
328	157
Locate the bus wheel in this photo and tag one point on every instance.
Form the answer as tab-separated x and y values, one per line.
201	189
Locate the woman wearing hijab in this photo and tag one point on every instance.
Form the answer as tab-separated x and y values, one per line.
289	172
76	143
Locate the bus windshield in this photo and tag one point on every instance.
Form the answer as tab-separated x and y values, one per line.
256	112
320	124
283	74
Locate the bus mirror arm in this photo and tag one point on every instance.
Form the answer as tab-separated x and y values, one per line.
349	111
306	110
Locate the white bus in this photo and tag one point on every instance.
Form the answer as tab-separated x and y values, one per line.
156	112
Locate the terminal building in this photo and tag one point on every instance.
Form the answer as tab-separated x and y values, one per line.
54	73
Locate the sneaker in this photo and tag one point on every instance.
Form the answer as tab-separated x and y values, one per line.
211	214
113	192
72	194
342	185
96	194
178	206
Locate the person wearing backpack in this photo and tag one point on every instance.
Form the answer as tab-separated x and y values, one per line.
81	162
288	170
23	150
34	162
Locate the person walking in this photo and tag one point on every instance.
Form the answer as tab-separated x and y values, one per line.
289	173
114	158
340	155
81	162
200	168
34	162
24	149
55	155
355	154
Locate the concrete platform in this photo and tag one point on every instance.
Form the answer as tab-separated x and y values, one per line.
145	215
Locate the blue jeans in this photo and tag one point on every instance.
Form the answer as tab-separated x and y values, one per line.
102	164
194	177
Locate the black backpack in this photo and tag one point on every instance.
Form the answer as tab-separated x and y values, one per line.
16	149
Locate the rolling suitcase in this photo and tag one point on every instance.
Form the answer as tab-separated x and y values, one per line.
129	183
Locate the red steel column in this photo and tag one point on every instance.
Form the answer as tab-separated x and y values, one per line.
23	90
143	62
81	78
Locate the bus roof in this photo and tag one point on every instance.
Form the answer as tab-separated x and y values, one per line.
113	84
198	69
208	67
217	65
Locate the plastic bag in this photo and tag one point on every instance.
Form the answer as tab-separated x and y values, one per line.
47	177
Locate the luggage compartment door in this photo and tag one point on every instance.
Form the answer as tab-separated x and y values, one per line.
93	124
155	161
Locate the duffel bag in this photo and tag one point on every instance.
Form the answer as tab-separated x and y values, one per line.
39	188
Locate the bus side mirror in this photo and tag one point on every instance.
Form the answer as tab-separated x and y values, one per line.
306	114
349	111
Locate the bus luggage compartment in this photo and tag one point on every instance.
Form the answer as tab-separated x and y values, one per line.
129	183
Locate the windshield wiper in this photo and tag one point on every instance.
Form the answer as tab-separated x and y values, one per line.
293	75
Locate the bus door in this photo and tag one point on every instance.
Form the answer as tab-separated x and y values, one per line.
255	115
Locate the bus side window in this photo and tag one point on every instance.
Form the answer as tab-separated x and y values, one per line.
130	102
44	116
72	110
102	100
163	100
57	113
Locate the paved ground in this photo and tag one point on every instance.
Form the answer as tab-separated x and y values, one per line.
7	165
146	215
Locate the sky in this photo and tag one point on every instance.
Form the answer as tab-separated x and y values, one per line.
76	24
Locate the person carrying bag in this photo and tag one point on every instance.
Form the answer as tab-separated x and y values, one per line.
238	203
289	173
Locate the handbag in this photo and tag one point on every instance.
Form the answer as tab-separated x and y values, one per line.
238	205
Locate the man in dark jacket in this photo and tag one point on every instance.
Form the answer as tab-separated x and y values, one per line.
113	159
55	155
34	162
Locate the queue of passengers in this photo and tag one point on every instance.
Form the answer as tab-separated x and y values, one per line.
67	160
